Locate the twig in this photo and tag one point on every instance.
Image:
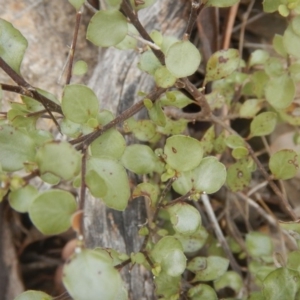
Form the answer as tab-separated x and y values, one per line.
229	26
73	47
148	43
286	205
89	138
82	188
196	8
219	233
179	199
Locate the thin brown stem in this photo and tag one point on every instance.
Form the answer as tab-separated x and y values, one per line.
82	188
73	47
196	8
89	138
178	200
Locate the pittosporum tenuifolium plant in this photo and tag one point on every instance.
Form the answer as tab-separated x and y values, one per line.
180	172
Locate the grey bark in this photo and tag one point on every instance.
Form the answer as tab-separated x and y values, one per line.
116	81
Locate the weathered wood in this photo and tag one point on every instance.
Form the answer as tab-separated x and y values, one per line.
116	81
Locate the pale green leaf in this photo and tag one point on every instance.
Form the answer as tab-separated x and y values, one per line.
220	3
258	57
129	42
271	5
209	176
278	45
107	28
12	45
291	42
157	115
89	274
180	149
149	62
284	164
116	181
175	98
33	295
51	211
202	291
21	199
250	108
229	279
110	144
263	124
79	103
234	141
259	244
96	184
295	23
16	147
167	286
147	190
76	3
221	64
182	59
60	159
80	68
163	78
282	284
184	218
280	91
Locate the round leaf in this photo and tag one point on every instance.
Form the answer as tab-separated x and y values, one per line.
202	291
149	62
250	108
33	295
163	78
258	57
12	45
21	199
183	59
209	176
139	159
282	284
291	42
147	190
60	159
16	148
284	164
258	244
80	67
183	153
263	124
110	144
229	279
107	28
51	211
79	103
76	3
89	274
184	218
238	176
280	91
221	64
116	181
96	184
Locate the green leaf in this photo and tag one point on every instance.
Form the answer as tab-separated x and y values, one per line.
295	23
184	218
282	284
60	159
33	295
238	176
280	91
110	144
12	45
96	184
168	252
79	103
51	211
278	45
21	199
202	291
274	67
116	181
128	42
209	176
259	244
229	279
263	124
149	62
179	150
284	164
258	57
221	64
208	268
173	127
291	42
107	28
291	226
240	152
175	98
163	78
147	190
293	261
294	71
183	59
157	115
143	130
80	68
140	159
50	178
271	5
76	3
16	148
207	141
167	286
194	242
250	108
70	128
220	3
97	276
234	141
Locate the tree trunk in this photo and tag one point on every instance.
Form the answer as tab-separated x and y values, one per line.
116	81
